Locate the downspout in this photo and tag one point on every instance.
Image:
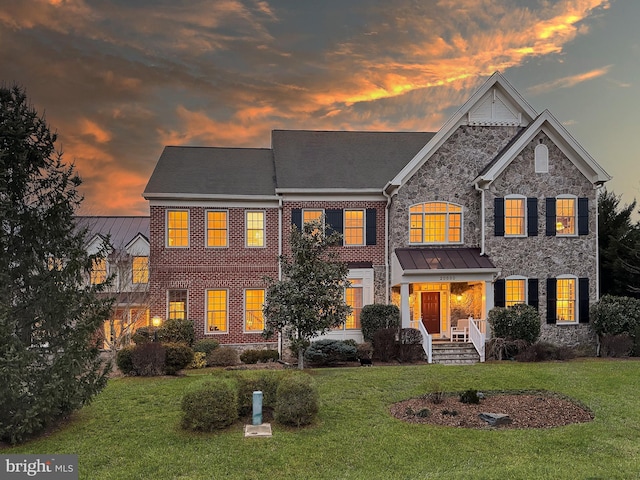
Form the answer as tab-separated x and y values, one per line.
280	233
482	217
387	273
597	187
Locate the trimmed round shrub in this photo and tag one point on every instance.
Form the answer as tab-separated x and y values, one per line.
410	348
148	359
518	322
296	400
199	360
177	331
384	344
124	360
613	315
177	357
213	405
223	357
376	317
326	352
143	335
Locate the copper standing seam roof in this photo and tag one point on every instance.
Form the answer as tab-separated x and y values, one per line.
442	259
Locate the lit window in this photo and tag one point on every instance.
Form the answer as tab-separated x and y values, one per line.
565	216
255	229
177	228
354	227
98	272
216	311
353	298
217	228
140	267
311	215
253	302
514	216
515	292
435	222
177	304
54	263
566	300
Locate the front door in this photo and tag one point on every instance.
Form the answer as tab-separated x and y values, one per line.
431	311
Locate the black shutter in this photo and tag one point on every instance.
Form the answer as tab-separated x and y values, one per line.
583	300
551	217
532	216
499	293
333	221
583	216
551	300
296	218
371	226
532	288
498	216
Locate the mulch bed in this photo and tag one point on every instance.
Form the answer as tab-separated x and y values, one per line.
526	410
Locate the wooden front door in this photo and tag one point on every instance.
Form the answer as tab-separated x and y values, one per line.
431	311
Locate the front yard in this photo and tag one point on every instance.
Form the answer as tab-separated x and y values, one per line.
131	430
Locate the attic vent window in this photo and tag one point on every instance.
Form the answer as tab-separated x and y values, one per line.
542	158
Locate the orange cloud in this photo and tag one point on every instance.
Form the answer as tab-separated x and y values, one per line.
567	82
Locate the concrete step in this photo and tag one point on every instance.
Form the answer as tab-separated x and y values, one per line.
455	353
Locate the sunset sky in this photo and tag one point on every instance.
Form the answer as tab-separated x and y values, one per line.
120	79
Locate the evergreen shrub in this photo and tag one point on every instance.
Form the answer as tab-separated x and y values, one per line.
177	357
177	331
376	317
326	352
124	360
223	357
296	400
148	359
212	405
518	322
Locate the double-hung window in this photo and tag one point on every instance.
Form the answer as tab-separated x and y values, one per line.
217	311
514	216
140	270
253	316
435	222
515	291
98	273
217	228
177	304
354	233
354	298
177	228
255	229
566	300
566	216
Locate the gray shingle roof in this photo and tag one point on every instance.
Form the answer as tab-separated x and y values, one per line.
121	229
213	170
352	160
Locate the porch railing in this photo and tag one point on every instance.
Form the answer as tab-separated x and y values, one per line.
477	337
427	342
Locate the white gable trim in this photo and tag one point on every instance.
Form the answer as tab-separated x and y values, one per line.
96	244
559	135
138	246
504	90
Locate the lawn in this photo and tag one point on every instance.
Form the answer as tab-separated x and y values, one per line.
131	429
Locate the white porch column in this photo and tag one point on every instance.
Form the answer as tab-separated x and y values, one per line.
487	305
405	311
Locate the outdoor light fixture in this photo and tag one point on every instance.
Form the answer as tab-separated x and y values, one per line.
157	321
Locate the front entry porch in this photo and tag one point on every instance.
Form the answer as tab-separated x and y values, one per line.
445	293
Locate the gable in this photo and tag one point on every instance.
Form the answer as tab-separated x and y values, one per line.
138	247
496	103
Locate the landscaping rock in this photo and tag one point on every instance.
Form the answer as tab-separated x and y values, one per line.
495	419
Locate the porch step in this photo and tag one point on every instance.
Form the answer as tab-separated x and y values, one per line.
454	353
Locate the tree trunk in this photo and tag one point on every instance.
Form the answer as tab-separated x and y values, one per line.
300	358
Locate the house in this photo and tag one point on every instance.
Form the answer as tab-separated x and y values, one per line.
126	242
496	208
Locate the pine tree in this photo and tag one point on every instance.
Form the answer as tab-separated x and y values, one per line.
309	300
49	362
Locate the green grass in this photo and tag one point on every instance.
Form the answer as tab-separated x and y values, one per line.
131	430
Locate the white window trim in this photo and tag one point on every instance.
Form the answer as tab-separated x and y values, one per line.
206	312
575	296
364	227
525	225
575	215
526	287
541	158
166	229
446	242
186	306
244	308
206	228
246	229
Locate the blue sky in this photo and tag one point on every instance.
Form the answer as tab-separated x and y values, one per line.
119	79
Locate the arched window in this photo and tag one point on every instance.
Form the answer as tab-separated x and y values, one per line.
435	222
541	154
